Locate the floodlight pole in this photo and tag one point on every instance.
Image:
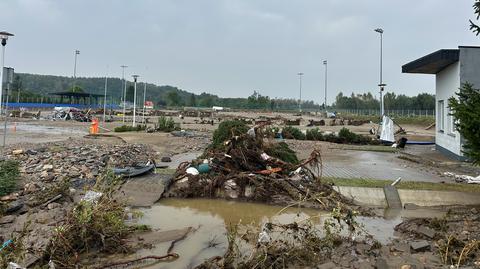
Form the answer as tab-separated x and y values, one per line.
3	37
105	97
124	90
300	102
135	77
144	99
326	77
381	84
77	52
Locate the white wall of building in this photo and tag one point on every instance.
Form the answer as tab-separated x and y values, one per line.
447	83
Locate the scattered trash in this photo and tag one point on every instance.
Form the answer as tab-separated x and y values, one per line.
463	178
134	171
192	171
5	244
13	265
92	196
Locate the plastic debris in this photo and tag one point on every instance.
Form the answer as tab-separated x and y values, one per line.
92	196
12	265
265	156
192	171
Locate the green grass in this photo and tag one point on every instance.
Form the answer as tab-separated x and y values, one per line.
9	174
367	148
407	185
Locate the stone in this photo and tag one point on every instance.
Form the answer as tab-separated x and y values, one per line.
48	167
17	152
410	206
7	219
401	247
53	206
166	159
13	207
421	245
381	263
428	232
328	265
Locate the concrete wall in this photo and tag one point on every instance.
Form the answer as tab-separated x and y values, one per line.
470	65
376	197
447	83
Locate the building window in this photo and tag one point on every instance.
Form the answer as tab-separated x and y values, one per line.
441	116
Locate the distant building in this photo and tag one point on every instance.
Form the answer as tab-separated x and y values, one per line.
148	104
452	68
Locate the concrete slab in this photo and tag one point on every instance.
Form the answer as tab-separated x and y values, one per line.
392	197
143	191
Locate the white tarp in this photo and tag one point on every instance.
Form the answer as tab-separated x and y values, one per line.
387	130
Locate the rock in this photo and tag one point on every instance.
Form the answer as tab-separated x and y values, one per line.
421	245
53	206
31	152
7	219
48	167
381	263
166	159
328	265
401	247
17	152
426	231
410	206
30	188
406	266
13	207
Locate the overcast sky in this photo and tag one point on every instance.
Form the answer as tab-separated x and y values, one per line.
232	47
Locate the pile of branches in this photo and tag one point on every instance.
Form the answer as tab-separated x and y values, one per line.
241	169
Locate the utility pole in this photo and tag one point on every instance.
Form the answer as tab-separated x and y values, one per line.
144	99
300	102
124	90
3	37
105	97
381	84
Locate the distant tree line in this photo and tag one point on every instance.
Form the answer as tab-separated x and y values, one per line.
423	101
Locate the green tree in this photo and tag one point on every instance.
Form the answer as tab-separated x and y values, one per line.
193	100
77	89
475	27
17	86
130	93
466	111
173	98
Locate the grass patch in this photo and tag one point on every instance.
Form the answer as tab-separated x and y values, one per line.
9	174
406	185
127	128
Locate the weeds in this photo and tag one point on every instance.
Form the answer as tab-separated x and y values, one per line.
126	128
15	249
290	132
165	125
9	174
314	135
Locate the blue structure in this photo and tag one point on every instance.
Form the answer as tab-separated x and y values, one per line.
49	105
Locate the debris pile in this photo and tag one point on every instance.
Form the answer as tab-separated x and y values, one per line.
247	167
70	113
52	177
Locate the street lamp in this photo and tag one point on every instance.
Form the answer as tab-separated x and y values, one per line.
381	84
135	77
144	99
300	102
4	37
326	74
105	97
124	90
77	52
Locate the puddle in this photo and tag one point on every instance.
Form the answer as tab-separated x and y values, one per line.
211	217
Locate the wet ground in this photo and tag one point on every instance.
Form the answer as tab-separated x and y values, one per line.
210	219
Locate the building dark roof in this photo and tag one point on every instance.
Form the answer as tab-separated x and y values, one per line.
76	94
433	63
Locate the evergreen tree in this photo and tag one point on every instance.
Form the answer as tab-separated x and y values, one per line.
474	27
466	111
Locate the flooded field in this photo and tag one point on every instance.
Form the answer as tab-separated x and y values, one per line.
210	219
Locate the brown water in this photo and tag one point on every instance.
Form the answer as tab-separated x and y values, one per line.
211	217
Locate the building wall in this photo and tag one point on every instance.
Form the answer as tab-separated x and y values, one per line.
447	83
470	65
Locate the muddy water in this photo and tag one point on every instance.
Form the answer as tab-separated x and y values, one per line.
211	217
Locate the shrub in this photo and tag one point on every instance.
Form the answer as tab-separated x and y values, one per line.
165	125
283	152
314	134
126	128
9	174
226	130
349	137
290	132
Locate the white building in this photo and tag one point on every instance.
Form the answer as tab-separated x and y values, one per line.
452	68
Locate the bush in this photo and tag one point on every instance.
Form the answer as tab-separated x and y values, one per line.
226	130
165	125
9	174
283	152
348	137
125	128
314	134
290	132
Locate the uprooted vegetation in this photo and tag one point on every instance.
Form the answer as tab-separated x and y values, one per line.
127	128
242	168
9	174
344	136
293	245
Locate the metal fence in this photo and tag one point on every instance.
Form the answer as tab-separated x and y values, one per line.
398	112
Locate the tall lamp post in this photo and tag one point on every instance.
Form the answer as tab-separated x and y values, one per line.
300	81
144	99
124	90
105	97
135	77
77	52
3	37
326	77
381	84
